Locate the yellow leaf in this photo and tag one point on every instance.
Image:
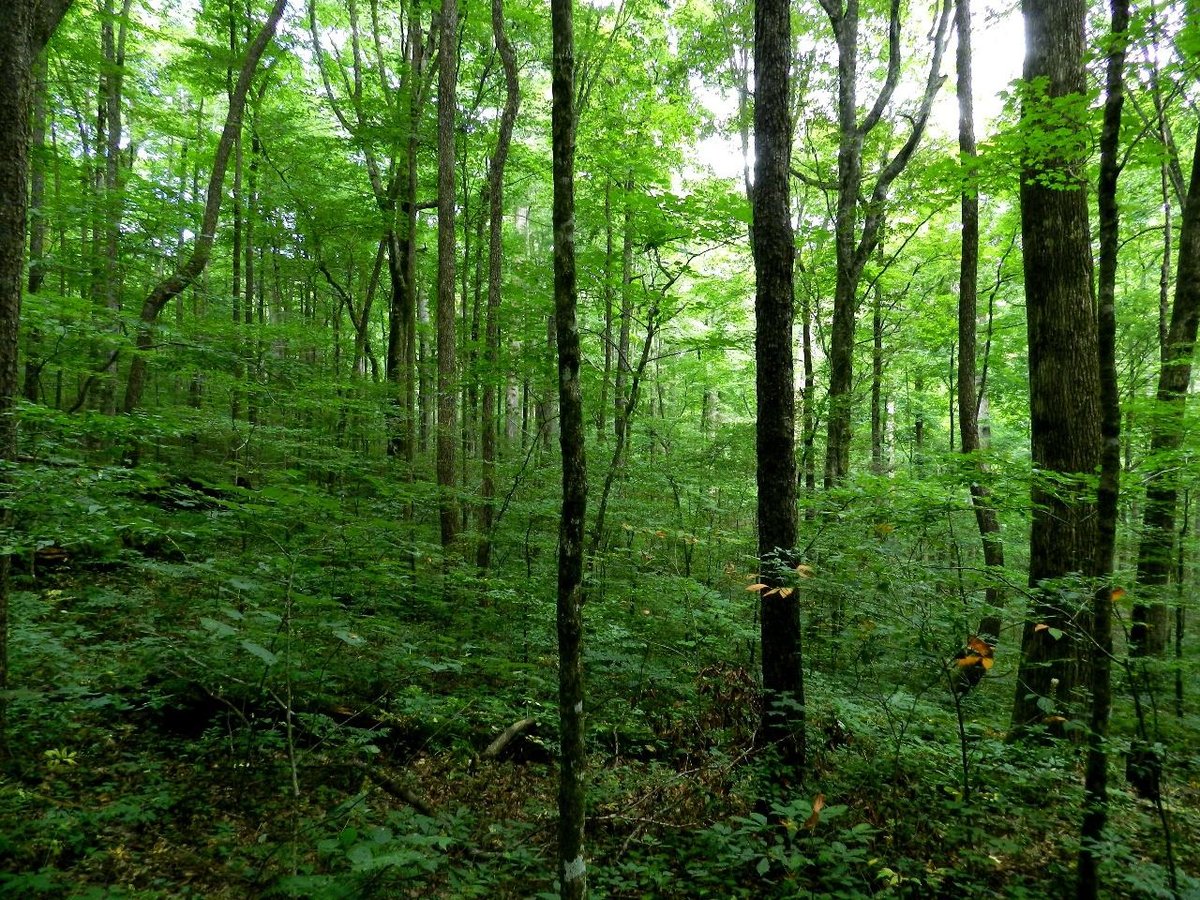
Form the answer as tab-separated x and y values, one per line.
771	592
818	804
786	592
804	571
1041	626
756	587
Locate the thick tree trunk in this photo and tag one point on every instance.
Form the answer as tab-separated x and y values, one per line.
1064	388
447	391
572	869
774	256
37	227
986	519
188	269
1095	785
491	349
27	27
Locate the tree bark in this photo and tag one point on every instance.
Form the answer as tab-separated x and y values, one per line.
572	869
491	350
447	394
189	269
28	26
1156	549
986	519
774	255
37	225
1064	389
112	47
854	241
1095	784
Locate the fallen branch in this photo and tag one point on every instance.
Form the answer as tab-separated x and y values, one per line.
496	747
393	787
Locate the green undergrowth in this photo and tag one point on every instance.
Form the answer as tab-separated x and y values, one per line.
256	689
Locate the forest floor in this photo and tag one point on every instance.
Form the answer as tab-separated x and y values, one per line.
233	725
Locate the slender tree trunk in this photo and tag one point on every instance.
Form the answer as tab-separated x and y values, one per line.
251	210
877	382
189	269
774	257
447	396
986	519
1064	387
626	417
623	363
491	349
572	868
1156	550
113	52
1095	785
602	410
856	236
808	423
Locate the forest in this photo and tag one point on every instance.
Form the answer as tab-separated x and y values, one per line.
612	448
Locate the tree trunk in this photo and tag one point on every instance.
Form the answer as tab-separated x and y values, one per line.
572	869
491	350
602	409
447	396
1095	785
188	269
986	519
857	231
774	254
1156	550
877	381
113	53
28	25
623	364
37	226
1064	389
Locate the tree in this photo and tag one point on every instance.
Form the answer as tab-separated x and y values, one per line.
775	428
28	28
1095	811
512	100
447	388
188	269
856	242
986	519
572	868
1155	550
1064	388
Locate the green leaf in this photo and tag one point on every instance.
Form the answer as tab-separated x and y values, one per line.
216	627
261	652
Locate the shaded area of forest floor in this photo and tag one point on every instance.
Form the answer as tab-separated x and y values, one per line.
311	723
